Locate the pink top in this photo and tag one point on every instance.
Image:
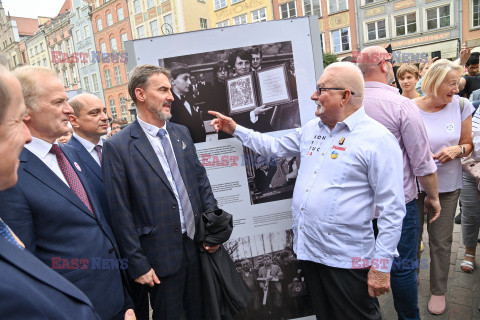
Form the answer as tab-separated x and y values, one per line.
401	117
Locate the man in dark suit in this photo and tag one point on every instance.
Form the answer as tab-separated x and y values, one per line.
157	188
184	112
53	209
28	288
90	122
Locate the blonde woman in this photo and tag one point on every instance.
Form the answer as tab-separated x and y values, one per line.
449	128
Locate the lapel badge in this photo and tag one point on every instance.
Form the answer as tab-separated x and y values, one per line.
183	145
334	154
78	167
342	140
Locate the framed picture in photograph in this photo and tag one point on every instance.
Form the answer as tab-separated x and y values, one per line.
273	85
241	94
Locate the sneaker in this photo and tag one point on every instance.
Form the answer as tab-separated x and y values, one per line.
421	246
458	219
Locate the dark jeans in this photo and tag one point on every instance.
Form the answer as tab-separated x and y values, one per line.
403	274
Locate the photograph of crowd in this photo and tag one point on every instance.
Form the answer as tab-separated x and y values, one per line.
270	269
254	85
269	178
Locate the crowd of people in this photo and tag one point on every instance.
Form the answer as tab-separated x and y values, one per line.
103	224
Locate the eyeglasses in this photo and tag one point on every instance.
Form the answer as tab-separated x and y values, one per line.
319	90
387	60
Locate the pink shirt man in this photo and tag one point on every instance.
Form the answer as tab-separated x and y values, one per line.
402	118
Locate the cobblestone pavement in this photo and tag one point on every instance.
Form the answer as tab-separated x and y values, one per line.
463	296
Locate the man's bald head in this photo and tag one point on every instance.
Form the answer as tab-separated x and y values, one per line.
30	78
81	100
351	79
376	65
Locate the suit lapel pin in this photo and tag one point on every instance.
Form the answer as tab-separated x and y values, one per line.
342	140
78	167
183	145
334	155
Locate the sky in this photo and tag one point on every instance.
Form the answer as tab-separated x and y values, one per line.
32	8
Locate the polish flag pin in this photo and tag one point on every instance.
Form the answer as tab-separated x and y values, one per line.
77	166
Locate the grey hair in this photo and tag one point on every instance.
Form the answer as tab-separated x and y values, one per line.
31	87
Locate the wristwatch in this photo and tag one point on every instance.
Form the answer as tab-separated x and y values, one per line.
463	150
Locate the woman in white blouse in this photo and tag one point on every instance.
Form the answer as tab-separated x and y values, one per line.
449	127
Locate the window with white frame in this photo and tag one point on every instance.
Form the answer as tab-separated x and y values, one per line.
69	46
113	45
219	4
99	25
150	3
124	38
376	30
42	48
123	106
137	6
154	28
109	19
118	75
120	15
108	78
86	83
259	15
241	19
86	32
44	62
288	10
236	1
113	109
476	13
371	1
36	49
168	20
65	78
95	82
78	34
103	47
312	7
406	24
73	72
141	32
340	40
336	6
203	23
438	17
224	23
31	52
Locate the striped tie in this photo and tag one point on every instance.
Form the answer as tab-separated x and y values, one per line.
71	176
179	183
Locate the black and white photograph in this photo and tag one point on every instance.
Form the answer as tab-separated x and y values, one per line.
269	178
270	269
237	82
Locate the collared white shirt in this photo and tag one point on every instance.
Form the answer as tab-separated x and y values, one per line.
90	147
151	133
41	149
343	174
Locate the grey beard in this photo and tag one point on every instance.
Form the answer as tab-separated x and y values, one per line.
158	113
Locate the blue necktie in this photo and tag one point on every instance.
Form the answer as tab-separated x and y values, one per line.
7	234
179	183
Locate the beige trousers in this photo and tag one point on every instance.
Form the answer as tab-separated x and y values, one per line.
439	239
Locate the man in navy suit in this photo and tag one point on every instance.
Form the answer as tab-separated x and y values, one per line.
157	188
52	208
28	288
90	122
